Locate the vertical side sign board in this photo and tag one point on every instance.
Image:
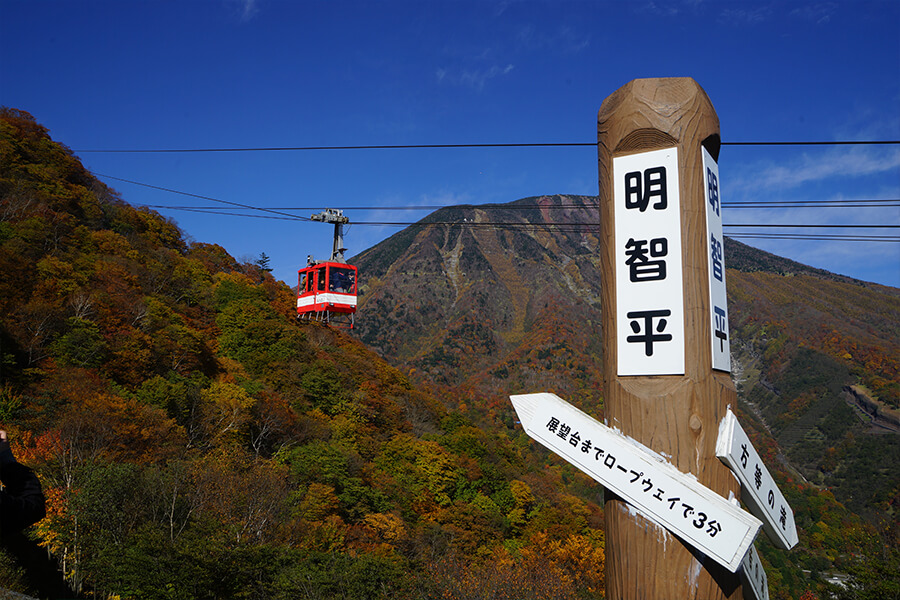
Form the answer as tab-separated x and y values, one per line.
718	301
649	296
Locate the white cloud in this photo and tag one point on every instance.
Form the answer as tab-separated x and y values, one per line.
867	260
853	162
867	122
746	16
817	13
563	39
472	78
666	9
838	173
245	10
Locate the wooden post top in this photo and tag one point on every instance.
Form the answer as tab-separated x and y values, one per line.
655	113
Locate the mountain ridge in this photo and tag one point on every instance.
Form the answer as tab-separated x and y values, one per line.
526	259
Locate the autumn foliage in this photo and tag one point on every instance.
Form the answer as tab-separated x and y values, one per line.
195	441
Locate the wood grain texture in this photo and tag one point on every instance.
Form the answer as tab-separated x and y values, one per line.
674	415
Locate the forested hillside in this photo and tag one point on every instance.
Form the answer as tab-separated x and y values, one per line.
484	311
194	441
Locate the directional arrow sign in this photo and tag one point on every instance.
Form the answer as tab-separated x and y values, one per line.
646	480
758	489
755	575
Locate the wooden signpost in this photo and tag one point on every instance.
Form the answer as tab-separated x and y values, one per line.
663	386
674	528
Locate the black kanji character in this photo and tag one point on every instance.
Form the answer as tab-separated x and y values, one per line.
715	256
641	187
644	332
640	267
721	327
712	186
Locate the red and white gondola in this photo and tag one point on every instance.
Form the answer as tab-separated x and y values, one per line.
326	290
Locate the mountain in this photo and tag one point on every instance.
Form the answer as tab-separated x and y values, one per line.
487	301
505	308
493	296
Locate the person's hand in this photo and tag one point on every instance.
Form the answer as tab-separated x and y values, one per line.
4	442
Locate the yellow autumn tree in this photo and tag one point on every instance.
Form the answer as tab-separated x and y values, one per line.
226	411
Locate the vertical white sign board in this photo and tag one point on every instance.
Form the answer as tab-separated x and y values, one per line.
643	478
758	489
715	246
649	289
755	575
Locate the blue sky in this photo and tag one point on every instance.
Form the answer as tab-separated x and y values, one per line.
129	74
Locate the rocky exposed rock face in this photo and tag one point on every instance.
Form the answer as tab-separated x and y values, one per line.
508	294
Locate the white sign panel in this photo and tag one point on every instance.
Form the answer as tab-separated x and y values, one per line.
758	489
649	291
755	575
715	245
675	500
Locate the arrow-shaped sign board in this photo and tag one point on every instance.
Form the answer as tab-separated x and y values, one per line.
758	489
755	575
646	480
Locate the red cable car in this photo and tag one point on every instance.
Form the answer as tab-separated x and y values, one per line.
326	290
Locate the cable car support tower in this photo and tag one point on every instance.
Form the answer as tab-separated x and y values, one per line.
336	216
